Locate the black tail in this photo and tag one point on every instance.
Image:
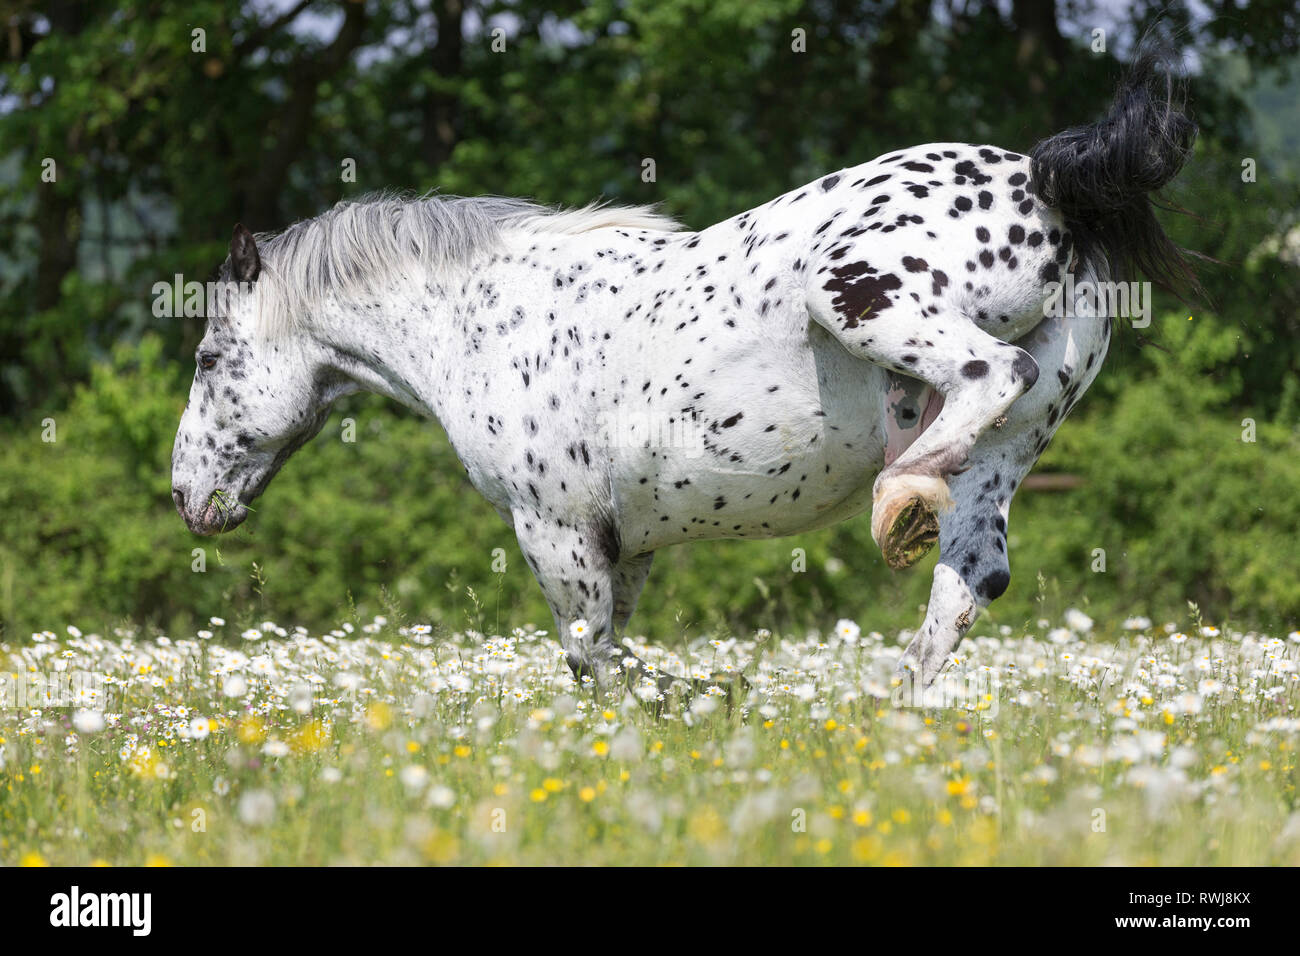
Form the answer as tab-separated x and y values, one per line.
1100	177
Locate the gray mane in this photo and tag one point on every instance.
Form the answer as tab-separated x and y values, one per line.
357	243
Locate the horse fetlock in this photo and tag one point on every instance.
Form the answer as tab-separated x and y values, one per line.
589	670
925	658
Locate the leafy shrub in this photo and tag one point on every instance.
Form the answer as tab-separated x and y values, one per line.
389	523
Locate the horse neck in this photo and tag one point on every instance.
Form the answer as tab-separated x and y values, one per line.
391	341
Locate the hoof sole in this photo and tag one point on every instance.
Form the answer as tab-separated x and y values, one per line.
911	535
905	519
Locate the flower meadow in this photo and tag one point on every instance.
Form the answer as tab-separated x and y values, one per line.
1061	743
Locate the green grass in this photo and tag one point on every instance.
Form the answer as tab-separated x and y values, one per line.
1110	744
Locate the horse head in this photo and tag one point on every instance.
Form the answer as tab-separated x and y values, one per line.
257	397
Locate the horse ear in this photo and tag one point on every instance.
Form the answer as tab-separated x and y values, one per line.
245	263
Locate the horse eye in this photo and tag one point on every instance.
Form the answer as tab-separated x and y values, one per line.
207	359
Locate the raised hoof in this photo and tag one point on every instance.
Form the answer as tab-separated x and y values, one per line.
910	535
905	516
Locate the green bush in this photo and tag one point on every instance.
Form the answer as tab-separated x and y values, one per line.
1183	507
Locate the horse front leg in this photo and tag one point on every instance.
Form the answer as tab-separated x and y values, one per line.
974	568
591	592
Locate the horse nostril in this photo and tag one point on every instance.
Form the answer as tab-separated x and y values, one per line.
179	497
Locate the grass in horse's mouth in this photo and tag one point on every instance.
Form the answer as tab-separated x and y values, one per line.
226	504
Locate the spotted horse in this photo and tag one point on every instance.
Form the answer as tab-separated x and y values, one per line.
614	385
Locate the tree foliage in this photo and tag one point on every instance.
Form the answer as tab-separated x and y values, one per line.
166	123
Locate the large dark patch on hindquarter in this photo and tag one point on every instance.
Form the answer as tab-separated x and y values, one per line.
860	293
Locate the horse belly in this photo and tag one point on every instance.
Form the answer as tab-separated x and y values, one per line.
781	440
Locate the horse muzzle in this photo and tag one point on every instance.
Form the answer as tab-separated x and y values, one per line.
220	512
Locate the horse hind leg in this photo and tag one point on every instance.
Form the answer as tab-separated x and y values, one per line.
974	568
907	319
910	408
979	376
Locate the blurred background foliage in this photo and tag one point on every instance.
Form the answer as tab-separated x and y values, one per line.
161	143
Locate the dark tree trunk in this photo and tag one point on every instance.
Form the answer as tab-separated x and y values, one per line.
890	55
1040	55
259	200
58	213
58	222
441	111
